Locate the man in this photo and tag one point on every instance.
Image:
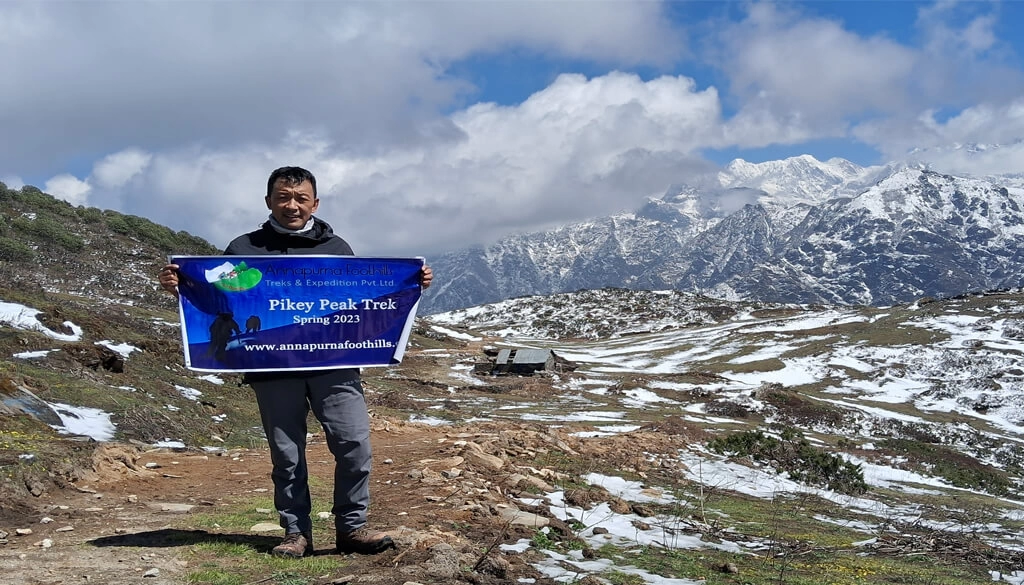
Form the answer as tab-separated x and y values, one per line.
285	398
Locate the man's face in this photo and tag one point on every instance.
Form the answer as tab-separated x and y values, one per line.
292	205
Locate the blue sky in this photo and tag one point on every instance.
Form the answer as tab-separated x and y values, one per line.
436	125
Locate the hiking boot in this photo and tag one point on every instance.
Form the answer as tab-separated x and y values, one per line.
364	541
295	545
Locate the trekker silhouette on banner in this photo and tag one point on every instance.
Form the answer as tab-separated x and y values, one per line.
220	333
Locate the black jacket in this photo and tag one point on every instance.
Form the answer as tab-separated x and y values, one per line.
319	240
266	240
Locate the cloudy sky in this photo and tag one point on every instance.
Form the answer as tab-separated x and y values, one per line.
434	125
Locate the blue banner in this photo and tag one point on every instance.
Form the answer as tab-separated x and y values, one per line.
284	312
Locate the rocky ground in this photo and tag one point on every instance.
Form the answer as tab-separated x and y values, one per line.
445	494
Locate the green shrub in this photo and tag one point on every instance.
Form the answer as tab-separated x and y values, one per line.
40	201
90	214
186	243
15	251
793	454
48	230
116	223
160	236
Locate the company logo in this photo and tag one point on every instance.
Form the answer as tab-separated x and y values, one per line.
231	278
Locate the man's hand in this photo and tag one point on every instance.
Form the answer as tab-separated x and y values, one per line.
426	277
169	279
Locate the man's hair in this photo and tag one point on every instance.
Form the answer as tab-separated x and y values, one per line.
291	176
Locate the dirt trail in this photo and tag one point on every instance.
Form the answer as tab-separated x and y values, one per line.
128	524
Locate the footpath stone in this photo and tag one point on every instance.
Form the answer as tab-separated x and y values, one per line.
518	517
171	507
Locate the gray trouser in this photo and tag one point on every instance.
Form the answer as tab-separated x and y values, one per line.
337	402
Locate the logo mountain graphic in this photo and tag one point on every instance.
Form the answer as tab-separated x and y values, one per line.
230	278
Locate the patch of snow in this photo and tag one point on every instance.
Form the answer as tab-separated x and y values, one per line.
123	349
190	393
428	420
170	444
27	355
22	317
455	334
82	420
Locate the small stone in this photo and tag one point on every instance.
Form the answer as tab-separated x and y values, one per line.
324	515
172	507
23	531
451	473
388	461
493	565
446	463
729	568
343	580
263	510
132	498
485	460
641	510
600	530
518	517
152	465
65	529
152	572
45	520
44	543
266	527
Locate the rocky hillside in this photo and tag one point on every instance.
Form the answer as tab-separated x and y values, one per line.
48	245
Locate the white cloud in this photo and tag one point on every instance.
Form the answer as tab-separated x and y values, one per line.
811	71
214	95
68	188
369	76
577	149
115	170
949	30
994	160
937	141
12	181
800	78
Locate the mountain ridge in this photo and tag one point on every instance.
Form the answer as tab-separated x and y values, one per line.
821	232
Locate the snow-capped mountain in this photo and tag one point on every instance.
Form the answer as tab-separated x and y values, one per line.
796	230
